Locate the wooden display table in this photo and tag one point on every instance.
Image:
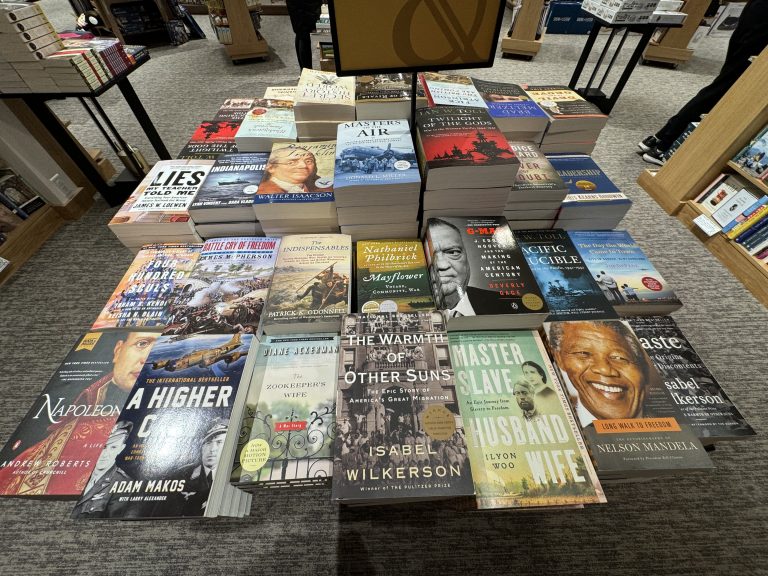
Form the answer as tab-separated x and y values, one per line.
673	48
522	41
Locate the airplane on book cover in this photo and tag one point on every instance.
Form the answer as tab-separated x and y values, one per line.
204	358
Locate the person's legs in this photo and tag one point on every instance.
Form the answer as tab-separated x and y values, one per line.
304	49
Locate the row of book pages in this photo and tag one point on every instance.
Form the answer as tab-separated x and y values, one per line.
365	177
488	367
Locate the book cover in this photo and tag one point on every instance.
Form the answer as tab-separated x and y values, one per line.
312	279
392	276
621	268
478	267
562	102
399	432
298	173
211	131
268	119
317	87
166	445
207	150
703	404
280	93
233	180
288	426
158	274
586	181
373	152
450	90
507	100
383	87
753	157
227	288
524	445
58	443
629	422
535	172
233	110
14	188
568	287
461	136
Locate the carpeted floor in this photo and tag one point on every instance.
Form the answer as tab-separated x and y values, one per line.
712	524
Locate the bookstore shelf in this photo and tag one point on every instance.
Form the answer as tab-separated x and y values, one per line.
521	41
27	239
673	47
759	184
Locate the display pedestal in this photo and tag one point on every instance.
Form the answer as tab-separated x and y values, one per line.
247	43
673	48
522	41
707	152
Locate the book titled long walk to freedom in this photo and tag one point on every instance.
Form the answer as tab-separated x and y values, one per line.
174	430
704	405
399	433
523	442
154	279
58	443
288	425
631	425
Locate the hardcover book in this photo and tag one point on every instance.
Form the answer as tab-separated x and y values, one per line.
142	299
628	420
562	102
288	426
450	90
383	96
511	108
233	110
173	434
59	441
703	404
227	288
479	274
324	96
399	433
298	173
374	153
280	93
310	288
568	287
523	442
628	279
392	276
536	179
230	187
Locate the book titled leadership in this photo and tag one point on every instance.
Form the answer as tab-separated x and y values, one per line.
399	433
59	442
174	433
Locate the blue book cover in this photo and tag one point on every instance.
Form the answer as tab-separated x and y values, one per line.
507	100
753	157
298	173
744	215
586	181
375	152
622	270
233	181
568	287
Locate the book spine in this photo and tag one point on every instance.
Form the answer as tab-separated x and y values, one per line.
762	254
756	236
745	215
26	12
759	247
12	206
742	227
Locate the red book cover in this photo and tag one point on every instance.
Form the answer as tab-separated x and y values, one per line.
213	131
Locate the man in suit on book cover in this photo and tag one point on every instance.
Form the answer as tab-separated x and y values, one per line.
293	170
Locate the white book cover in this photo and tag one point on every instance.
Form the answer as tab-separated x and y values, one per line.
269	118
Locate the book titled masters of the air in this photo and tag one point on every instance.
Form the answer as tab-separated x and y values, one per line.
59	441
399	433
288	424
523	442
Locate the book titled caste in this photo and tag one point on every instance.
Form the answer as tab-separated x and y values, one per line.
399	433
169	453
523	442
59	441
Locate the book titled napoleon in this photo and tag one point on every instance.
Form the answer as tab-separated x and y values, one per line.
399	433
59	442
173	433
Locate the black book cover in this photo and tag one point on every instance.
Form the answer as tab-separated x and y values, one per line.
233	181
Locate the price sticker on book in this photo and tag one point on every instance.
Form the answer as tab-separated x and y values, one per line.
706	225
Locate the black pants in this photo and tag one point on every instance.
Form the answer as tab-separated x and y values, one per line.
304	49
749	39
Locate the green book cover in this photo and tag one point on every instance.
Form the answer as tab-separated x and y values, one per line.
524	447
392	277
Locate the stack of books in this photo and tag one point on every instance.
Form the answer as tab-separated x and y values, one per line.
266	122
574	123
383	97
295	195
376	182
109	51
538	192
593	201
467	163
627	11
158	210
210	139
323	100
516	115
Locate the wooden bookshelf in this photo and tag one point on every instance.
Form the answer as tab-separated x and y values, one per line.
707	152
27	238
247	42
522	40
673	48
761	185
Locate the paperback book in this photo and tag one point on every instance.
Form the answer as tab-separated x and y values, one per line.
524	445
399	433
210	139
536	179
58	443
450	90
288	425
268	121
173	434
753	157
516	114
392	276
297	174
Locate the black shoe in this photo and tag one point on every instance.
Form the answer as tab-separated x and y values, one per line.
648	144
655	156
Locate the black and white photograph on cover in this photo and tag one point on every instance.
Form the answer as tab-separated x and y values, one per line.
371	159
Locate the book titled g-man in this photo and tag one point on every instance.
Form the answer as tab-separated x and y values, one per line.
162	457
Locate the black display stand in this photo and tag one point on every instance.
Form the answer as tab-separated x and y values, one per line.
596	95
